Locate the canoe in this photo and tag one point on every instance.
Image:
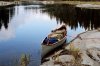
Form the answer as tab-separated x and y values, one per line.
46	48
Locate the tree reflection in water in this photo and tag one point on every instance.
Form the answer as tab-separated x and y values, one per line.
72	16
5	16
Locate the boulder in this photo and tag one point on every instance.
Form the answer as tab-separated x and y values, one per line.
66	58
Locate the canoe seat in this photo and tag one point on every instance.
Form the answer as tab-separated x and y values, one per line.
57	36
54	37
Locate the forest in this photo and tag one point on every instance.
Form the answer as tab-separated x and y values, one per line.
52	0
71	0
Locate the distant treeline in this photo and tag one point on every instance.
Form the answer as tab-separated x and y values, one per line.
70	0
51	0
9	0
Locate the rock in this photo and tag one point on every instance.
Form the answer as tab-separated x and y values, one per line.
86	60
85	41
66	58
49	63
88	44
95	53
89	6
98	29
57	65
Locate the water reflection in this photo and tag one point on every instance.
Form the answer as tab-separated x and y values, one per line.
28	26
26	29
5	16
87	18
72	16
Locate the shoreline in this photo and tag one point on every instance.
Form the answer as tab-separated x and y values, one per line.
85	47
79	4
4	3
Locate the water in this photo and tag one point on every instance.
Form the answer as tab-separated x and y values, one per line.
22	28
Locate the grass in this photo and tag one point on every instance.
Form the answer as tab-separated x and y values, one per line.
24	60
72	51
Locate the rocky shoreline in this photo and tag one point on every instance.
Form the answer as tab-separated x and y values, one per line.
84	50
80	4
3	3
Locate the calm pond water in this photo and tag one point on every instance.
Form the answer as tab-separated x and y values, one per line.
22	28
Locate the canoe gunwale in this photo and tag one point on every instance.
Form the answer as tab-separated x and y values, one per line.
46	48
55	42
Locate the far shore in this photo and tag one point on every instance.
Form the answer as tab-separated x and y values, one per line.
80	4
5	3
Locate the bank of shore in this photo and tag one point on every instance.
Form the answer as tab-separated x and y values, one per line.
3	3
80	4
84	50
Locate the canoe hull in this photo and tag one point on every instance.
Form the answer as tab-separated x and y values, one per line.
46	49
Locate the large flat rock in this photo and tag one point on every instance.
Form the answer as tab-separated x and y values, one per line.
88	6
87	40
88	44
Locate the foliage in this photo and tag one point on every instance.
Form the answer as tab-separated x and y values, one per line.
74	51
69	0
25	60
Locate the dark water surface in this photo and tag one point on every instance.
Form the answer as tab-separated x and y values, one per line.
22	28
